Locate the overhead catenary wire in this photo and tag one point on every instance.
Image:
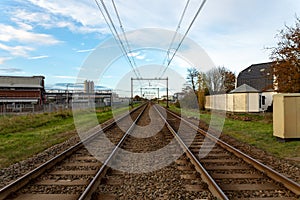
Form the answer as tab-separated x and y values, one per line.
176	31
184	36
124	33
115	33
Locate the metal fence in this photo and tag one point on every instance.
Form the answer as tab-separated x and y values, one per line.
17	109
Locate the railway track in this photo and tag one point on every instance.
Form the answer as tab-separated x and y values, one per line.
238	175
130	171
67	175
148	176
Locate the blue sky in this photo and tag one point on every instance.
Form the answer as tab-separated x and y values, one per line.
54	38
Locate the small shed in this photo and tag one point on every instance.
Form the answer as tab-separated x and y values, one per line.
244	99
286	116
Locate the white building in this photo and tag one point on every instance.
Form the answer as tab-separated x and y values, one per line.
243	99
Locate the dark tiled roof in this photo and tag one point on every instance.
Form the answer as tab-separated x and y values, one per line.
258	76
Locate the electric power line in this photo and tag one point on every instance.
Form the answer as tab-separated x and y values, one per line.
115	33
124	33
176	32
184	36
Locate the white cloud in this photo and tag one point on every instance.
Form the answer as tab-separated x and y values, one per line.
9	33
133	54
58	17
141	57
3	59
17	50
233	32
11	70
137	55
71	78
77	15
24	26
66	77
37	57
81	11
84	50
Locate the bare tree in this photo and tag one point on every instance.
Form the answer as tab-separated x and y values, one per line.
286	57
220	80
192	77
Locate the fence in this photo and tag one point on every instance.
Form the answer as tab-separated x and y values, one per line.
52	107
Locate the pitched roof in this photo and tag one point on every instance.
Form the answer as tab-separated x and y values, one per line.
244	89
258	76
256	70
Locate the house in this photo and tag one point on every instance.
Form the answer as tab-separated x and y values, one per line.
254	92
18	93
258	76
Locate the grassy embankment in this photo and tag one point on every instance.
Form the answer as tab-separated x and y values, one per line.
23	136
254	129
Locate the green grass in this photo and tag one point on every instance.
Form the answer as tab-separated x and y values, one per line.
260	134
23	136
254	129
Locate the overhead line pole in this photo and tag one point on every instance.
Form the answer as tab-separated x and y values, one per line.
151	79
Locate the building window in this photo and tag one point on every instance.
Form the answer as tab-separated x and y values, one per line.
263	100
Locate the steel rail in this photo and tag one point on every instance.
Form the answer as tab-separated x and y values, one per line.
212	185
91	188
288	183
25	179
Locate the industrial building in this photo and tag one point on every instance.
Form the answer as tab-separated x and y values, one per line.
73	94
21	93
28	94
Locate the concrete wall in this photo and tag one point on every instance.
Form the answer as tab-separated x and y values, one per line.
253	102
238	102
230	102
219	102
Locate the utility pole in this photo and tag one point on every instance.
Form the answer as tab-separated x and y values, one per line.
131	92
167	92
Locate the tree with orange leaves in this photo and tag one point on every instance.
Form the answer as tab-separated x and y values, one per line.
286	57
